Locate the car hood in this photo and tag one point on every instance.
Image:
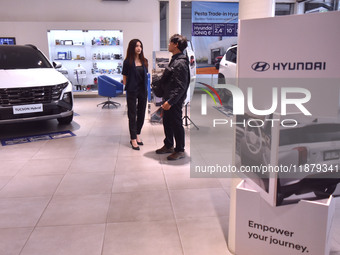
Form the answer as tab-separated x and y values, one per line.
22	78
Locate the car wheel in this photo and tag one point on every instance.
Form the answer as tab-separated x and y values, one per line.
325	192
65	120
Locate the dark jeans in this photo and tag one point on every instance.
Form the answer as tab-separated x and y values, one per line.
173	127
136	103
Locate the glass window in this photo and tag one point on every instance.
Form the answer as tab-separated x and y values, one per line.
231	55
164	13
284	9
164	19
321	6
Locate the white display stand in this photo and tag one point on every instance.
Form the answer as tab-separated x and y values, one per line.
285	40
261	229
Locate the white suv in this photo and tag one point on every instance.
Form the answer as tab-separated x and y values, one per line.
227	66
227	75
31	88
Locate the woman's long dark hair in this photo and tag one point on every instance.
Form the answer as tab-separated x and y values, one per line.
130	56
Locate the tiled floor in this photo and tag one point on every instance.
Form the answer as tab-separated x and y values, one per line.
93	195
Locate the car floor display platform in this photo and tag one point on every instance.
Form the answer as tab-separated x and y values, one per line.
36	138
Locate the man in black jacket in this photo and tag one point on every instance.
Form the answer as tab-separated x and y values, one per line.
175	83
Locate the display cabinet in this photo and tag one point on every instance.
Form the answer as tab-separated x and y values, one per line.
85	54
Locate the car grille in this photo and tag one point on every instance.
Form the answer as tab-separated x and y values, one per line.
31	95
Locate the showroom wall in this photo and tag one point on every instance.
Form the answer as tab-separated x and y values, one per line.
29	21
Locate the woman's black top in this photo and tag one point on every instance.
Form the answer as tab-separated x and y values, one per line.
140	77
134	76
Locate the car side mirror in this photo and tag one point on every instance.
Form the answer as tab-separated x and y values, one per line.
57	64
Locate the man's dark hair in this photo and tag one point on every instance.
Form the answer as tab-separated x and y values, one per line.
181	40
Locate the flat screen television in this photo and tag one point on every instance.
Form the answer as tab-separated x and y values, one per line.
7	40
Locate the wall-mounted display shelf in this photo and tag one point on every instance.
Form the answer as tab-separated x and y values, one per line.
86	54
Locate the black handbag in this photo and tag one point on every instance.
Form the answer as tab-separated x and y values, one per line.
156	86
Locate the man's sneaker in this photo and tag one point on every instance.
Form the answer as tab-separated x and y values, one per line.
164	150
176	155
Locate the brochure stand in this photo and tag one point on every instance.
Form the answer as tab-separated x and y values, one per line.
261	229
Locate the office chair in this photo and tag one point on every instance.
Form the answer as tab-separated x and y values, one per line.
108	87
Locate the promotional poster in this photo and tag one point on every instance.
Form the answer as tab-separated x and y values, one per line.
288	135
284	75
214	30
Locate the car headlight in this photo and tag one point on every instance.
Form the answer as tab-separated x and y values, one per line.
57	90
67	98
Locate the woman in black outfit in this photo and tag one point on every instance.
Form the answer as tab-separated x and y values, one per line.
135	79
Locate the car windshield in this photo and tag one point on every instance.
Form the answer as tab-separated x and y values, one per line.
17	57
310	134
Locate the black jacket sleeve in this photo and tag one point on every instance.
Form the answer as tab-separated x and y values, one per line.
125	70
180	72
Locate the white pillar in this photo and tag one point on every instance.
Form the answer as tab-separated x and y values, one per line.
248	9
174	17
299	8
252	9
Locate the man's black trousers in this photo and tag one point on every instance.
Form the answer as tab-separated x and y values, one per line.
173	127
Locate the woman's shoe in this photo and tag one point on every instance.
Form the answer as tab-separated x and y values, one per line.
134	148
139	143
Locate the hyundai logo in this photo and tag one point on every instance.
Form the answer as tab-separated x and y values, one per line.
260	66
